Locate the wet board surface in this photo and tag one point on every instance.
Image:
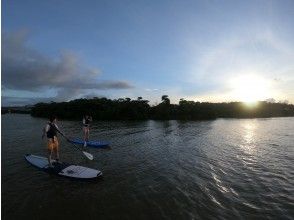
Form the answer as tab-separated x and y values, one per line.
63	169
90	143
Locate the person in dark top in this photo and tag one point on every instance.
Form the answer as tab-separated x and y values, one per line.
51	130
87	119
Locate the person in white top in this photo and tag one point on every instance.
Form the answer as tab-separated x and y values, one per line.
87	119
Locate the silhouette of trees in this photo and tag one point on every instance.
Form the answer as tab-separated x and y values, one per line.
165	99
139	109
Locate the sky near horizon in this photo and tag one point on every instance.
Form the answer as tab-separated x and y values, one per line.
217	51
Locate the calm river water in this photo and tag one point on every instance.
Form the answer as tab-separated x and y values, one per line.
220	169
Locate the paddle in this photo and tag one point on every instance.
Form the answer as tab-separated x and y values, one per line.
88	155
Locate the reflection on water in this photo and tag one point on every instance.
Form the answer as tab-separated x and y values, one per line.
249	136
250	128
222	169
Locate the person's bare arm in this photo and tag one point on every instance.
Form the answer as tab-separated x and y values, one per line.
45	130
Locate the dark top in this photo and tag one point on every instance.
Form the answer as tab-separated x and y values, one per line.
52	131
86	122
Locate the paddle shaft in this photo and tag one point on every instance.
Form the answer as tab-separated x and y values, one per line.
88	155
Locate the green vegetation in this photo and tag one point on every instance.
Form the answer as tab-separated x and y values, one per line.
139	109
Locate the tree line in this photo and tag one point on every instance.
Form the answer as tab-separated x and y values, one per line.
139	109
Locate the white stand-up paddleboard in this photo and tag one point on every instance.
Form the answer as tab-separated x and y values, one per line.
63	169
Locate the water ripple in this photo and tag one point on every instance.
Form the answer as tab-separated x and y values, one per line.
222	169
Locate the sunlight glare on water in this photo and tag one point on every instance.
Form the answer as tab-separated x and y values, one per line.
220	169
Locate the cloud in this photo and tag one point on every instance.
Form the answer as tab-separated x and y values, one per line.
26	69
262	52
151	90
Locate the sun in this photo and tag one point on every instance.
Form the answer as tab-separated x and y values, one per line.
250	89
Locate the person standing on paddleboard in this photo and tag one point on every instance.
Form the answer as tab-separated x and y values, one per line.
51	130
87	119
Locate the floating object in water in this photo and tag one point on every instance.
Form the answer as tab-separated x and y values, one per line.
63	169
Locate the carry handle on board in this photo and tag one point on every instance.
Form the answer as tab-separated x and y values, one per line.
88	155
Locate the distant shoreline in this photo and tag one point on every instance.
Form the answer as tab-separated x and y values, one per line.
15	110
78	119
103	109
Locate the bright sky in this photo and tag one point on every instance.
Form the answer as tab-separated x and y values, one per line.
57	50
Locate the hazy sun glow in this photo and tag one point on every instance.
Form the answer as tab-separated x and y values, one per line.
250	89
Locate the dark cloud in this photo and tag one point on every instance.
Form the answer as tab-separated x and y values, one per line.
24	68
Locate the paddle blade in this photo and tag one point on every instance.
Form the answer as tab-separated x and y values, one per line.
88	155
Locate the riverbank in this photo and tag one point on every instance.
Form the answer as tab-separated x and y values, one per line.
139	109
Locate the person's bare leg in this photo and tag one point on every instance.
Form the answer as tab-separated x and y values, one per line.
49	157
85	136
88	131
